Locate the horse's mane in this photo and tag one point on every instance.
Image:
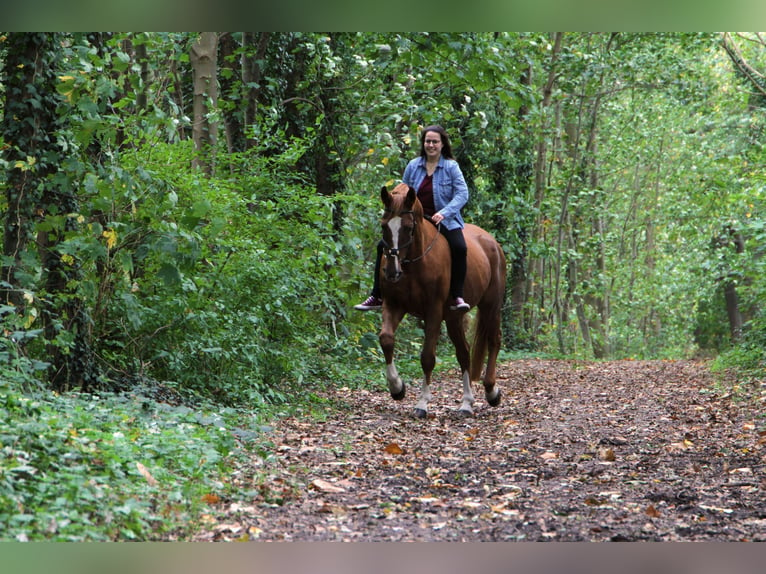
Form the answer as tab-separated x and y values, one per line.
399	197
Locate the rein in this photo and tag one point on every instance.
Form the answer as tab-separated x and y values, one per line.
395	252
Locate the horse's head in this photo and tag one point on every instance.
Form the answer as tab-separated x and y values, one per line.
401	216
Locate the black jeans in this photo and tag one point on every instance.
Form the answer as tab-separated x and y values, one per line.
458	251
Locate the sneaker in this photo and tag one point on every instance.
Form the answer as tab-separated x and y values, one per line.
371	303
458	304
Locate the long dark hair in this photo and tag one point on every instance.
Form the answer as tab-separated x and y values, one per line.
446	145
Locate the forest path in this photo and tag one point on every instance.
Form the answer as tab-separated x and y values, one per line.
577	451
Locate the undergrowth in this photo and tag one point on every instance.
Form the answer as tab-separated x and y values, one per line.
116	467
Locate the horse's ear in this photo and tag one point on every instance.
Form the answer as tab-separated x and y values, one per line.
411	196
385	196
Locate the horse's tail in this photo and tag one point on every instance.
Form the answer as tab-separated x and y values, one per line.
486	330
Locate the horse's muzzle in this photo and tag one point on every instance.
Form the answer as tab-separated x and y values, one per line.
394	277
393	268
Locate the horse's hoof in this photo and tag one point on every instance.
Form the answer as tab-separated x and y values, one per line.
496	401
400	395
465	413
420	413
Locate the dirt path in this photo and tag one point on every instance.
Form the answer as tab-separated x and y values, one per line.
620	451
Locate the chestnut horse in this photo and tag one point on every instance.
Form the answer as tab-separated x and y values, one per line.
415	279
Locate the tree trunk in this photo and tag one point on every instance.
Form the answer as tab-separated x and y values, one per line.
30	120
255	47
142	57
732	310
204	130
229	61
737	320
28	124
597	296
535	286
516	330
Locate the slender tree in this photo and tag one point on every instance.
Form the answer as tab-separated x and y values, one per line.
204	59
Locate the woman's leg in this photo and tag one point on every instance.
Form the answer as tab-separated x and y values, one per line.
376	278
374	301
459	253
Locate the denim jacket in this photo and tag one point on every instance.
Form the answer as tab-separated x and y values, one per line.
450	189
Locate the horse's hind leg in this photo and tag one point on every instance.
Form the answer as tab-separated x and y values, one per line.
494	340
456	332
491	389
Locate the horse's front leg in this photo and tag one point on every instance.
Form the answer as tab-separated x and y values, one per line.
427	363
386	337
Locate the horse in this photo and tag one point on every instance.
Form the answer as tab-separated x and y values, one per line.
415	279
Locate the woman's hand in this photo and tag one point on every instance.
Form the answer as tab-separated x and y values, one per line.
437	218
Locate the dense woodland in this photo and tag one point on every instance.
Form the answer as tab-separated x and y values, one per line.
195	214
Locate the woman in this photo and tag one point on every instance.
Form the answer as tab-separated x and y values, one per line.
442	191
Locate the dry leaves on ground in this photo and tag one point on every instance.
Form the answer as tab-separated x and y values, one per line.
626	450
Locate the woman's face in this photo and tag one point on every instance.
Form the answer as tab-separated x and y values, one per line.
433	145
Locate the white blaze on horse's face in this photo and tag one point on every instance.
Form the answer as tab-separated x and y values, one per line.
395	225
394	267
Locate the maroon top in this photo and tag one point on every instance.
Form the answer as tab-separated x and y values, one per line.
426	196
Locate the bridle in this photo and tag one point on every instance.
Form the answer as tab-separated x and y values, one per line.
395	252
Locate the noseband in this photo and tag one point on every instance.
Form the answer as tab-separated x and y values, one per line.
395	252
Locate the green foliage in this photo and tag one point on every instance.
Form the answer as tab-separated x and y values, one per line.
202	283
110	467
748	358
228	303
237	288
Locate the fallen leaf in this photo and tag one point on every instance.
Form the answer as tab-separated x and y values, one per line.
612	494
716	508
211	498
652	511
333	509
549	455
146	474
325	486
615	440
393	448
233	528
606	454
252	532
